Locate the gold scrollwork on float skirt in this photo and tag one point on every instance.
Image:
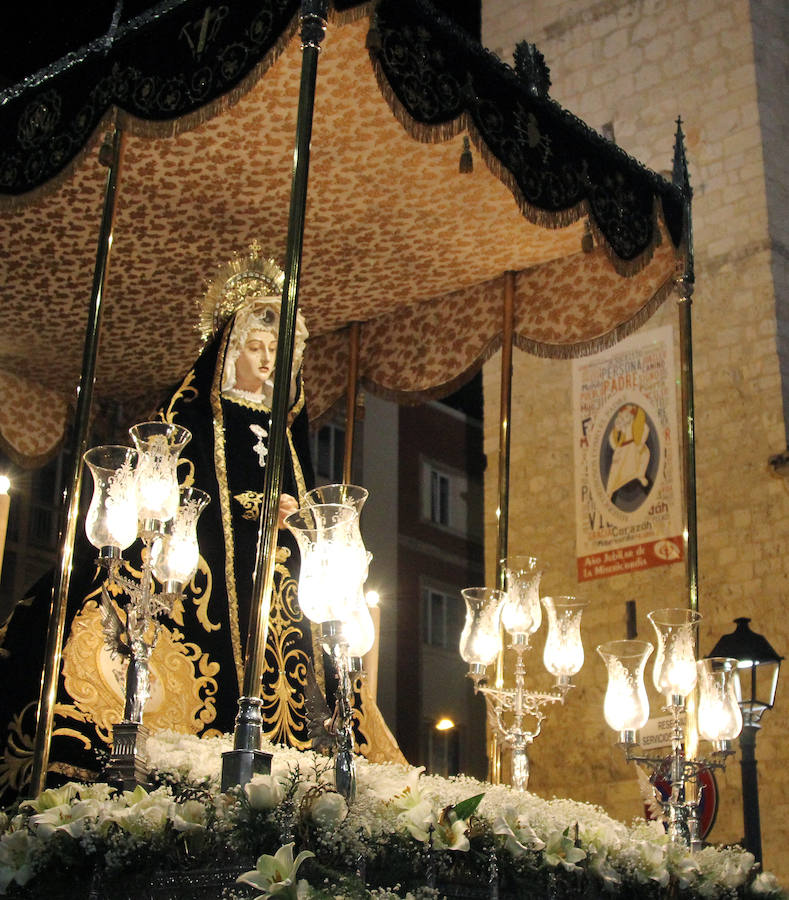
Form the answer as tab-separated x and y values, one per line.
17	760
183	679
250	502
16	763
285	671
199	591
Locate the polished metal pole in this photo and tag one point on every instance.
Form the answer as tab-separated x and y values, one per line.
110	156
246	758
503	511
350	400
505	412
685	285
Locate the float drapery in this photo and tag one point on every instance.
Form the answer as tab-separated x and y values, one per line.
396	237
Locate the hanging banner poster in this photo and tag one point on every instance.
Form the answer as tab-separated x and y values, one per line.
627	472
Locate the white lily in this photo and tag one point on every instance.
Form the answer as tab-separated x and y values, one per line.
188	817
276	875
52	797
519	836
411	795
16	853
560	850
72	818
446	835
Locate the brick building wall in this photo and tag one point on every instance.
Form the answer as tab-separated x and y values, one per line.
638	64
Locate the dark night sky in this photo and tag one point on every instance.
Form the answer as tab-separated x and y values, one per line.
38	32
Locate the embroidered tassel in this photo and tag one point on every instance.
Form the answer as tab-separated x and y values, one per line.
466	159
587	241
373	40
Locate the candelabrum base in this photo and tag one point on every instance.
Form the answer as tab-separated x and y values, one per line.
128	764
246	758
238	767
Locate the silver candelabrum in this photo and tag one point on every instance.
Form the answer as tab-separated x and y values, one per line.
518	611
676	674
334	568
136	493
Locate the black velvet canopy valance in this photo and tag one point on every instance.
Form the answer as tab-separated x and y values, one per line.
399	236
167	64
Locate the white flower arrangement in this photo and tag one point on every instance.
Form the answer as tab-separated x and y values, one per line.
405	825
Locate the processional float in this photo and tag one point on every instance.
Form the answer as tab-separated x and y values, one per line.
499	284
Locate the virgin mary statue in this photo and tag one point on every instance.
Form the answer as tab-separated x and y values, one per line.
197	664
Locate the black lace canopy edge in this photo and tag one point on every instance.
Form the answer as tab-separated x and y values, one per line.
163	74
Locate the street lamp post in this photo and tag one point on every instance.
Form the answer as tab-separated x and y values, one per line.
758	668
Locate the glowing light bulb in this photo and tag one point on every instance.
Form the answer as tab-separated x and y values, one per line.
564	651
111	520
479	641
626	707
720	718
674	671
522	614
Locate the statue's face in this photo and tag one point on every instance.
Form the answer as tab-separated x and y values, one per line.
255	363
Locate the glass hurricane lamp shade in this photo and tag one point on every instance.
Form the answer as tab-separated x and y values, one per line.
359	631
159	445
332	571
626	707
720	719
674	670
343	495
564	652
111	522
175	554
480	640
522	613
758	667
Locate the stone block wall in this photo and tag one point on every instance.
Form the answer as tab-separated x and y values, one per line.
638	64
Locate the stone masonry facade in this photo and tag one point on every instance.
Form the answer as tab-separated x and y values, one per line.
638	64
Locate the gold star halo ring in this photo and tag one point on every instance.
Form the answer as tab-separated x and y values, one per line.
241	279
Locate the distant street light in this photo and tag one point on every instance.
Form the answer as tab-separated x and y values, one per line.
758	668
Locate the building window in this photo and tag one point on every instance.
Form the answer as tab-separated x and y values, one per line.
439	498
445	497
442	619
328	449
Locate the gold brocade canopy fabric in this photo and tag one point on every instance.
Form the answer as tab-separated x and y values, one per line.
396	237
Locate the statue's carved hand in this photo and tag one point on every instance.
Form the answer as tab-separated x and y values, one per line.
287	505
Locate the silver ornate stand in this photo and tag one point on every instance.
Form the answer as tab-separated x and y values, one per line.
523	704
682	815
341	725
135	639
